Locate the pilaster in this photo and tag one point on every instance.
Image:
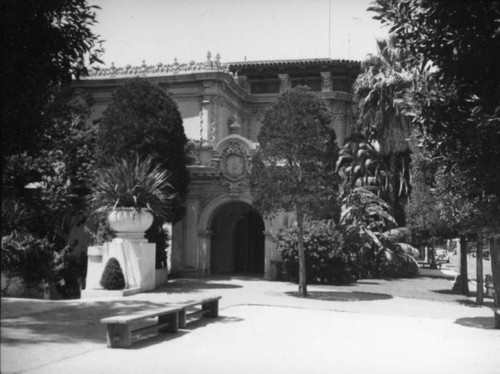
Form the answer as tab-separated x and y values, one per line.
205	239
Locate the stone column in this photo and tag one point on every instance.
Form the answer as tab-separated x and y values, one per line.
95	267
269	255
178	245
205	239
204	119
285	82
191	248
326	81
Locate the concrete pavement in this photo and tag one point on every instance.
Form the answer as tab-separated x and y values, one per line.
263	326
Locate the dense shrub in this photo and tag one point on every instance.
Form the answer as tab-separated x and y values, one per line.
28	257
398	266
326	261
112	276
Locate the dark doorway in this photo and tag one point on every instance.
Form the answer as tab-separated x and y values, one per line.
237	244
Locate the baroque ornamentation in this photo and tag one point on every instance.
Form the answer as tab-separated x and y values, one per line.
162	69
235	167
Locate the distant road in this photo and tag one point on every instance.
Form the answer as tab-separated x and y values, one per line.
471	265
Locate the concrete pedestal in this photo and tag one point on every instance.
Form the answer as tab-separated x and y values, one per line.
137	260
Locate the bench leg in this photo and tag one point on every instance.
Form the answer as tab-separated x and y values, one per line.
212	309
182	319
118	335
173	322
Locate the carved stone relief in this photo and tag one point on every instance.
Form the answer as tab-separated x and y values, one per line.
235	167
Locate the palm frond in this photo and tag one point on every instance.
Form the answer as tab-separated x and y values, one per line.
136	184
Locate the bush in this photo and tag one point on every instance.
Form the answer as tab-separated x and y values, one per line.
112	277
28	257
398	266
326	261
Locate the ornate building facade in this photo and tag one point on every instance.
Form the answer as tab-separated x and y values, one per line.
222	106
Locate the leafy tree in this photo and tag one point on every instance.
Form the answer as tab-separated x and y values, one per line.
379	91
59	175
454	47
144	120
45	44
44	194
424	211
294	167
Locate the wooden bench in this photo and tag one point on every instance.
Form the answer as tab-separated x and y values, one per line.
207	308
119	328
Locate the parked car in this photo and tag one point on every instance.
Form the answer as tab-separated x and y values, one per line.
442	255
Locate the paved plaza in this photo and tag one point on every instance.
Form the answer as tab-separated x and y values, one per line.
263	327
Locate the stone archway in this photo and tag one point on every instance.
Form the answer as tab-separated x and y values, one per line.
230	239
237	240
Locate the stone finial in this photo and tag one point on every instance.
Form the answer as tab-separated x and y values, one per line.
234	125
217	60
208	63
143	68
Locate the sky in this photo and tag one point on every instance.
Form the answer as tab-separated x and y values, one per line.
252	30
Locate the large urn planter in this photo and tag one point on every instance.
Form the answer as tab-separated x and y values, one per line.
129	223
128	193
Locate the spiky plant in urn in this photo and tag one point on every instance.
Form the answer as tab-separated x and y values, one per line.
129	193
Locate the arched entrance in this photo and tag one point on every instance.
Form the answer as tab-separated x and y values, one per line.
237	240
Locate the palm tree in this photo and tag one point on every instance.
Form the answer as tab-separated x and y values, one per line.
382	118
363	164
369	231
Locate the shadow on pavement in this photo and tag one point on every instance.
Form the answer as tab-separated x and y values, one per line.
343	296
153	339
471	303
71	325
362	281
487	323
194	285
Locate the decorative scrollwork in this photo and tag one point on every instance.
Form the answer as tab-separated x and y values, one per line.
234	167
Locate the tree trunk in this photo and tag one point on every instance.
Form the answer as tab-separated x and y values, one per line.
462	282
495	268
432	260
393	180
302	256
395	200
479	270
463	266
